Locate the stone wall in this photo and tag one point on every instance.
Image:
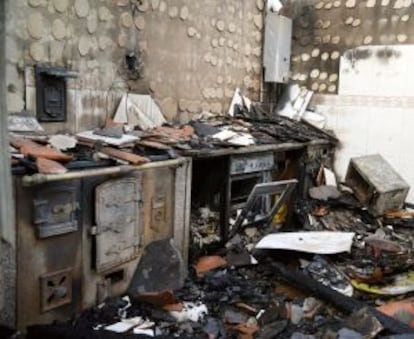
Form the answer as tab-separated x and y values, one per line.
324	30
199	51
190	55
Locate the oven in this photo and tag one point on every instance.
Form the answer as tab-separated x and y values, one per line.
80	236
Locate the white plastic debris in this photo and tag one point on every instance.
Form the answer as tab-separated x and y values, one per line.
253	260
315	119
62	142
234	138
125	139
122	312
259	315
139	110
294	102
239	99
146	325
119	327
330	179
309	242
242	140
149	332
224	135
274	6
126	325
194	312
147	328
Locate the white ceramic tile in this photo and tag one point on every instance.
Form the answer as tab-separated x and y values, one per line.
407	134
351	129
384	130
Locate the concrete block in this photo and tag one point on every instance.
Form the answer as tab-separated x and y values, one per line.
376	184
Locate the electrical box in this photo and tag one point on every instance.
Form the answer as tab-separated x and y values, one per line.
277	48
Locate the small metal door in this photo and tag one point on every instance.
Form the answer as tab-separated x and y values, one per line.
55	210
117	231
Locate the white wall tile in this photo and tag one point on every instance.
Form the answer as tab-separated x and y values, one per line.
363	130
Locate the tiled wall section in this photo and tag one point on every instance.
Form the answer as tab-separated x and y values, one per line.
370	125
323	30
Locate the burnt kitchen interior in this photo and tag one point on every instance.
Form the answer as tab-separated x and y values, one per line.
179	169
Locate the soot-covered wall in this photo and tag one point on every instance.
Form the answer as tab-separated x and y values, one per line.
324	30
190	55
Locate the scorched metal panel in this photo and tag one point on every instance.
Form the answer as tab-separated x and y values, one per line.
118	222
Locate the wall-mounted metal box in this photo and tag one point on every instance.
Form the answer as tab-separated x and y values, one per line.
277	48
376	184
50	94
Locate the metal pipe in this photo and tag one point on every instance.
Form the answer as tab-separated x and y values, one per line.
39	178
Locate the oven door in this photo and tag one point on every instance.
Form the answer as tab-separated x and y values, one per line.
117	208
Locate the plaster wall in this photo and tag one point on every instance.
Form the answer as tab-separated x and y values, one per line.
190	55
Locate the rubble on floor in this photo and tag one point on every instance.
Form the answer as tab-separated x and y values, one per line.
335	268
336	272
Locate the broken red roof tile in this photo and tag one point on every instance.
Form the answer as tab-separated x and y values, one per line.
28	147
47	166
209	263
247	331
184	133
153	144
161	298
179	307
289	292
251	310
402	310
126	156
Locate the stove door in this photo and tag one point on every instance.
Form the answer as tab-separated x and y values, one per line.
117	205
55	210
